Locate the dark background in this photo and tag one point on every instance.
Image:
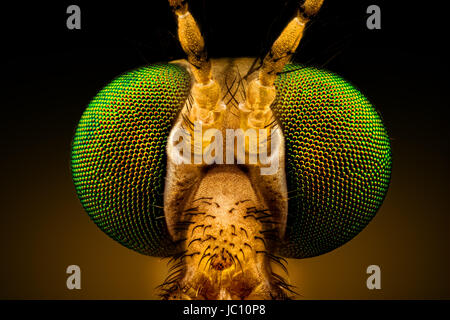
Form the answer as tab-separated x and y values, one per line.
49	74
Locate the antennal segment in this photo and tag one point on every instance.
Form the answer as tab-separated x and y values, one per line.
207	107
255	112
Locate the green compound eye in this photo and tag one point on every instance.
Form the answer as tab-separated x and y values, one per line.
338	159
118	155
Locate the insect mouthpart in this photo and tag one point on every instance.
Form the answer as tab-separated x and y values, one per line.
228	234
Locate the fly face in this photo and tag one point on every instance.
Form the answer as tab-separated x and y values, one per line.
228	168
227	215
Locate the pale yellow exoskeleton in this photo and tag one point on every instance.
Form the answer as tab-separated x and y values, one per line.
227	240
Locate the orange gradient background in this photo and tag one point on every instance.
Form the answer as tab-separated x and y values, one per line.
43	228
